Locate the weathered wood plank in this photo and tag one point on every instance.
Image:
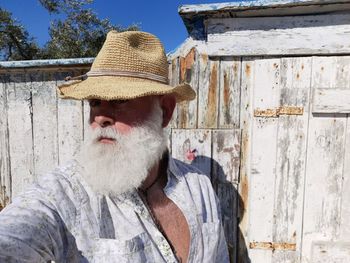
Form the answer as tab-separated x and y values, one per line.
70	124
227	194
325	160
5	173
86	117
345	199
245	168
44	102
333	96
208	92
263	156
20	131
302	35
291	158
187	110
229	92
226	153
329	100
335	252
194	147
225	168
174	75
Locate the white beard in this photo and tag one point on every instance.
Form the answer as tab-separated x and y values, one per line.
122	166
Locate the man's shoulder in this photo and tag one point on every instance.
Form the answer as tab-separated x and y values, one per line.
191	172
62	174
61	183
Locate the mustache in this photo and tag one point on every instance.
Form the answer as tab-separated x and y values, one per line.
108	132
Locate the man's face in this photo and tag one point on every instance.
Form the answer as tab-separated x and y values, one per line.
121	115
123	132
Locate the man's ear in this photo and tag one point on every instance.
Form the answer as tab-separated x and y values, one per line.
167	103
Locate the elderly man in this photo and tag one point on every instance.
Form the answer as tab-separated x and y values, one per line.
123	199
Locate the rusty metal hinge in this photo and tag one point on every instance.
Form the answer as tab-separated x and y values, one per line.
284	110
272	246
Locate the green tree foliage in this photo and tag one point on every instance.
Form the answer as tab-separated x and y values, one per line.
15	42
77	33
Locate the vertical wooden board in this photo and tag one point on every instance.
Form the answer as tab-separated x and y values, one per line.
5	175
44	121
70	125
227	194
229	92
345	199
246	120
20	131
208	92
291	157
174	76
226	154
333	251
263	156
196	141
187	110
86	117
325	159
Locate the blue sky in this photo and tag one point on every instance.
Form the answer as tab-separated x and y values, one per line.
159	17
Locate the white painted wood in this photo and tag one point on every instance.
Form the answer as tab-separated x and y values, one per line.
226	153
280	35
44	102
263	157
335	252
239	6
198	141
187	110
186	47
20	132
325	162
331	100
229	92
208	92
86	117
70	125
174	81
225	168
5	175
333	96
291	157
345	198
246	121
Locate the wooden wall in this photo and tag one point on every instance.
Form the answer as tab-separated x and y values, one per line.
274	132
271	132
38	131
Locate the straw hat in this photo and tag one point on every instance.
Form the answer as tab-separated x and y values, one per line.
129	65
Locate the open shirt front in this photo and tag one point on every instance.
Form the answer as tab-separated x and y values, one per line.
60	218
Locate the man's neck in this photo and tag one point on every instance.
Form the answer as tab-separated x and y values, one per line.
156	176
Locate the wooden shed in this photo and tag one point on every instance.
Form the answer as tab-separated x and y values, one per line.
273	91
269	124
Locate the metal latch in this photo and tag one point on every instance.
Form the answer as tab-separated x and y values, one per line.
284	110
272	246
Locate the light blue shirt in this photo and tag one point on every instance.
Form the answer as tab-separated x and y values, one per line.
60	218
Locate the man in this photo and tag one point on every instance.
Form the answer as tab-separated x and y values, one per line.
123	199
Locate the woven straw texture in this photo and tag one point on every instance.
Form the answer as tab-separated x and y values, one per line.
134	52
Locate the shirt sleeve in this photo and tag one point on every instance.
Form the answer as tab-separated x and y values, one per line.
31	230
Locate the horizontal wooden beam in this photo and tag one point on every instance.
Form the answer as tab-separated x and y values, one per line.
331	100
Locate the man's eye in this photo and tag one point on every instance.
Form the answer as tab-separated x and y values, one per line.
94	103
119	102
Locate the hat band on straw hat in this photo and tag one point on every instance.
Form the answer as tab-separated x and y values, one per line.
119	73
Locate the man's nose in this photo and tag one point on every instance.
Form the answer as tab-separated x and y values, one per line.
103	121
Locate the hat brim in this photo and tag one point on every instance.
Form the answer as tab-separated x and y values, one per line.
121	88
